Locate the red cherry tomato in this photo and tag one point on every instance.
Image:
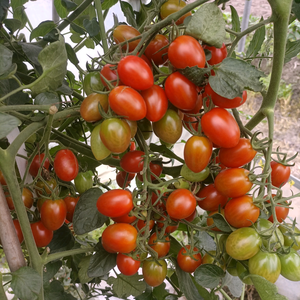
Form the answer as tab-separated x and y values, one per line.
41	234
109	72
197	107
157	50
124	219
70	204
124	33
27	198
36	164
280	174
120	178
217	54
133	161
155	169
281	212
170	228
127	265
188	263
141	224
160	247
66	165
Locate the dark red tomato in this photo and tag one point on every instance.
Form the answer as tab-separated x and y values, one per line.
115	203
141	224
155	169
36	164
89	108
133	161
181	92
241	212
156	101
115	135
186	51
154	272
109	72
217	54
41	234
66	165
197	153
53	213
124	219
198	106
211	198
124	33
135	72
290	265
127	102
27	198
221	128
70	204
172	6
280	174
180	204
210	221
157	50
145	58
121	180
19	230
127	265
2	180
233	182
281	212
189	263
161	247
46	188
237	156
120	237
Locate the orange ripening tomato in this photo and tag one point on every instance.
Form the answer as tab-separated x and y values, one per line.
124	33
160	247
189	263
171	6
89	108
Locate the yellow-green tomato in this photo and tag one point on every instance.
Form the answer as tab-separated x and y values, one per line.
189	175
98	148
290	265
154	272
92	82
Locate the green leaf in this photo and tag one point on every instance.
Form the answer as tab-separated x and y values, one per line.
234	284
4	5
175	247
89	43
50	270
266	289
60	9
17	3
204	240
83	269
125	286
221	222
161	293
53	60
32	52
19	98
195	74
26	283
47	98
91	26
86	215
209	275
6	59
296	9
7	124
55	291
19	14
163	150
108	4
62	240
208	25
173	171
256	42
42	29
236	26
147	295
77	29
76	38
292	49
233	76
12	24
128	13
51	36
10	72
69	5
72	55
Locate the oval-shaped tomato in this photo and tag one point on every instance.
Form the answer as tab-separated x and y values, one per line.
70	202
133	129
288	240
156	101
156	169
66	165
265	264
89	108
154	272
132	161
135	72
53	213
27	198
197	153
290	265
98	148
211	198
127	265
37	163
161	247
172	6
189	175
115	203
180	204
243	243
221	128
157	50
141	224
238	156
83	181
241	211
280	174
18	230
188	263
217	54
186	51
115	134
127	102
233	182
92	82
109	72
145	126
45	188
169	127
120	179
42	236
124	33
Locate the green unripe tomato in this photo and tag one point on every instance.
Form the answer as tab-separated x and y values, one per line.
189	175
288	241
181	183
83	181
290	265
92	82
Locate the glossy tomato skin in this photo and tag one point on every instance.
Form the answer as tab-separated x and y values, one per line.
141	224
115	203
243	243
154	50
181	92
133	161
172	6
212	198
83	181
233	182
41	234
115	134
120	237
217	54
156	102
181	204
156	169
124	33
53	213
27	198
127	265
188	263
71	203
288	241
238	156
42	189
89	109
280	174
241	211
265	264
290	265
18	230
99	150
66	165
154	272
221	128
160	247
92	82
197	153
36	164
186	51
281	213
127	102
121	181
109	72
124	219
135	72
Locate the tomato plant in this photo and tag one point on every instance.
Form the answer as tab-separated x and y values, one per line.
290	265
217	54
83	181
97	146
89	108
70	205
157	50
188	263
92	82
42	236
161	247
45	187
127	265
109	73
18	230
280	174
27	198
36	164
154	272
133	161
172	6
124	33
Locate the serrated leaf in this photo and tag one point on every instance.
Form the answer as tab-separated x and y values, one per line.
26	283
108	4
60	9
204	240
128	13
195	74
47	98
19	14
69	5
163	150
292	49
125	286
233	76
256	42
83	269
209	275
6	59
53	60
86	216
221	223
236	26
71	55
62	240
4	5
234	284
50	270
208	25
91	26
42	29
7	124
12	24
